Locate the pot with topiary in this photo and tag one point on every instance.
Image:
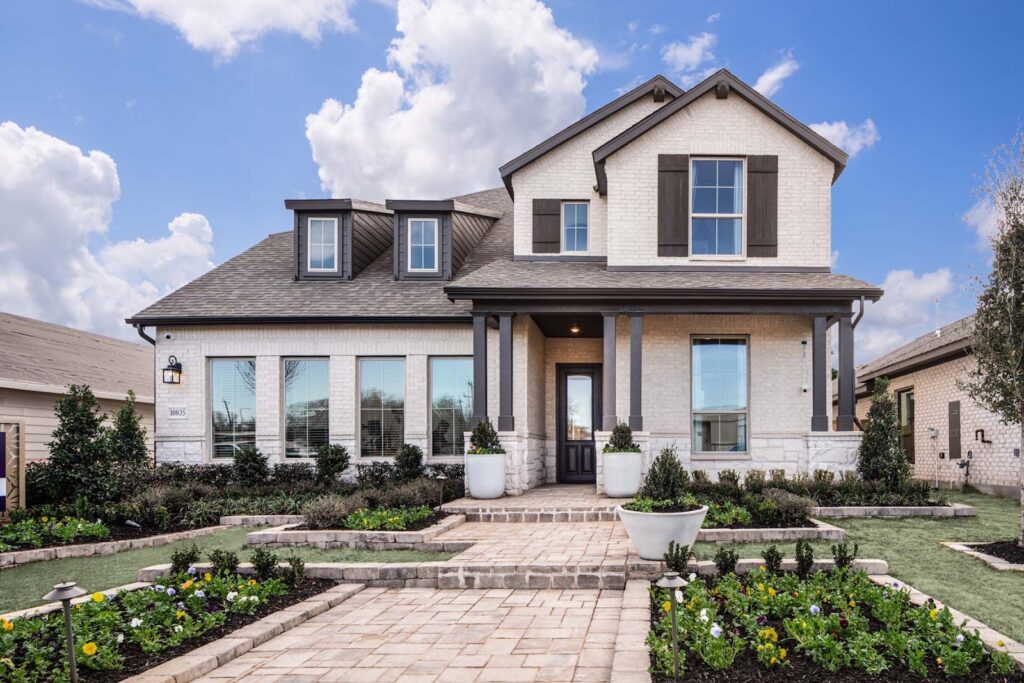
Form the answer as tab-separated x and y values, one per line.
622	463
485	463
663	511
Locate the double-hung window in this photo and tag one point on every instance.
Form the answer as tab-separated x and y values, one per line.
323	245
422	245
575	227
716	207
451	404
381	406
232	405
719	368
306	406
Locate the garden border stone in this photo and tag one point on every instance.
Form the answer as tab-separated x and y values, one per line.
287	536
48	607
61	552
631	660
952	510
260	520
996	563
821	531
206	658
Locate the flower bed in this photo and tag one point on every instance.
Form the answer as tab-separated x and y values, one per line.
770	509
45	532
836	626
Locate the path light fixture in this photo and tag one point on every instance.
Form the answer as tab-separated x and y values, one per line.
172	373
65	593
440	498
672	581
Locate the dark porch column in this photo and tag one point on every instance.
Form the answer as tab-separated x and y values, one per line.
506	421
847	375
479	367
820	386
636	367
608	373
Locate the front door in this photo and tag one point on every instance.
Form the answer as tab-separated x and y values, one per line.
579	410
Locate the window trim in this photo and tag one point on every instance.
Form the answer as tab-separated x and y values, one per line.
561	230
283	402
211	453
437	244
359	402
747	411
309	244
742	255
430	400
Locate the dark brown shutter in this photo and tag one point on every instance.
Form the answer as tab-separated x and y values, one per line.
762	206
954	430
673	204
547	223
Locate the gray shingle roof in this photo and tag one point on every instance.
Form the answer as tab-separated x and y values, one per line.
951	340
39	356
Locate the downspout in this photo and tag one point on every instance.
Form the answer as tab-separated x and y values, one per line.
856	319
141	329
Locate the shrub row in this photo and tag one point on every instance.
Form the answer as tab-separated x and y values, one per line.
332	511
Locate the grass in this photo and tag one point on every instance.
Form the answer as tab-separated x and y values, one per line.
22	586
912	548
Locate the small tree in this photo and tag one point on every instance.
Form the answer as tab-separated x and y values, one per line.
127	436
667	479
250	467
79	456
621	440
997	342
881	457
484	439
409	463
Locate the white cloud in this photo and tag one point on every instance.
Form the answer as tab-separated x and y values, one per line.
685	58
712	18
983	218
55	201
442	119
850	138
770	82
224	26
906	311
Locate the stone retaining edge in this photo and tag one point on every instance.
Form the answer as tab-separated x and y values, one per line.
821	531
206	658
996	563
286	536
40	610
953	510
260	520
19	557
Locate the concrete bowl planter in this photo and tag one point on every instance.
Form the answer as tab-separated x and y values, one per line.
651	532
485	475
622	473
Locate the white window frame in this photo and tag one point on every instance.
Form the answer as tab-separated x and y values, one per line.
742	255
561	231
437	246
722	455
309	245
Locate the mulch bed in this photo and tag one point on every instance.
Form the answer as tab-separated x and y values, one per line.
424	523
136	661
117	533
1004	550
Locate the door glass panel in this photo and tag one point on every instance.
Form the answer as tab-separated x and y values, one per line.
579	419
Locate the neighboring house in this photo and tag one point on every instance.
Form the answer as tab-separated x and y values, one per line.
664	261
948	437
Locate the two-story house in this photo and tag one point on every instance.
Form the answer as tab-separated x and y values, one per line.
664	261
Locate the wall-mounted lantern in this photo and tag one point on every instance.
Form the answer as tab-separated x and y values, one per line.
172	373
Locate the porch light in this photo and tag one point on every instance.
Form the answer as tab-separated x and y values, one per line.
172	373
575	329
65	593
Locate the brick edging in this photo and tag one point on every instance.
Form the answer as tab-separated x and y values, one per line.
840	511
19	557
996	563
287	536
260	520
206	658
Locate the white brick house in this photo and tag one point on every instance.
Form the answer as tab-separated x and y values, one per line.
664	262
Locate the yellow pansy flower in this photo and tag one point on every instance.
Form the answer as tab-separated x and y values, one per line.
89	648
1000	643
252	582
774	661
782	653
760	587
938	660
207	576
666	606
771	591
8	626
98	597
934	614
180	614
45	518
853	603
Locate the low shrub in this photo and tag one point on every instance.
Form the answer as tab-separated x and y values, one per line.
684	503
725	515
408	463
842	555
295	572
804	559
772	560
46	530
726	560
677	557
292	475
621	440
330	512
375	475
449	470
250	467
183	558
789	509
391	519
264	564
729	478
331	462
484	439
410	494
666	480
224	562
754	481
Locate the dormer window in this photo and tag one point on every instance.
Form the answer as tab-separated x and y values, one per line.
423	245
323	245
575	227
716	215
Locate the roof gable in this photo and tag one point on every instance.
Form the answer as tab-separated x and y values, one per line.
723	83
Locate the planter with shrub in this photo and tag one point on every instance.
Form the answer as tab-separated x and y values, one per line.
622	463
485	463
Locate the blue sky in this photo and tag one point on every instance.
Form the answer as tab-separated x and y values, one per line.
206	122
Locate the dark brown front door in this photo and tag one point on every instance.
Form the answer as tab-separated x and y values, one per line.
579	409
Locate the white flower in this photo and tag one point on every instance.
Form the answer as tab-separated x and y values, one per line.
200	594
815	609
178	629
704	615
136	622
679	595
231	596
253	598
120	638
959	638
693	576
716	630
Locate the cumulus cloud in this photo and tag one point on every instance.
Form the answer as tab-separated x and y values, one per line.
770	82
906	311
983	218
440	120
687	57
852	139
56	204
224	26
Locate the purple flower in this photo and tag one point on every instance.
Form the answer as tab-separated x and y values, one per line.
716	630
171	591
762	620
192	571
815	609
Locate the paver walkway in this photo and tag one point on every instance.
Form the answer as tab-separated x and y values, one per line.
547	496
588	543
423	634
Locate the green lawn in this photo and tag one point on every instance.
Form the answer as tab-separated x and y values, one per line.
22	586
911	546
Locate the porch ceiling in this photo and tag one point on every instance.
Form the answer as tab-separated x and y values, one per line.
590	325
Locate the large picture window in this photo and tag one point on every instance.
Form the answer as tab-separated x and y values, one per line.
575	227
323	244
422	245
451	404
719	408
232	405
717	207
306	406
381	406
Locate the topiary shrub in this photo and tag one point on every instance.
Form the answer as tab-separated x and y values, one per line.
621	440
485	439
331	462
250	467
666	480
881	457
409	463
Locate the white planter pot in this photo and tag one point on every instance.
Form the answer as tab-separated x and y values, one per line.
651	531
621	473
485	475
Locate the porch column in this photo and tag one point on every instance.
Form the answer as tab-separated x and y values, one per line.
506	421
636	366
820	386
608	374
479	367
847	375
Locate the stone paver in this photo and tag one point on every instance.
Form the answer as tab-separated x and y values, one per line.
541	542
423	634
